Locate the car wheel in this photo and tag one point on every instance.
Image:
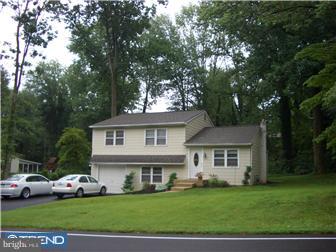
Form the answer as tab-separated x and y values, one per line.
25	193
102	191
79	193
60	196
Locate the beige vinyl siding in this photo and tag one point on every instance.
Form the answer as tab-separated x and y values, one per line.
134	143
232	175
197	124
167	170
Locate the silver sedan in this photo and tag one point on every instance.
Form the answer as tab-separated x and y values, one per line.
78	185
25	185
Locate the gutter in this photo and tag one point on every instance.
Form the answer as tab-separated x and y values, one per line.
137	125
218	144
137	163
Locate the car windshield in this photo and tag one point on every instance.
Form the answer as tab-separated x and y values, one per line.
69	178
15	178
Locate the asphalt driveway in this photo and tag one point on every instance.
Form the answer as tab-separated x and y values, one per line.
13	203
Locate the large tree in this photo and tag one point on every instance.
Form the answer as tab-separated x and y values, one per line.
33	29
270	35
105	32
48	84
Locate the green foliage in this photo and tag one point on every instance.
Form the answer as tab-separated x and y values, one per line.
48	85
148	188
214	182
247	175
73	150
59	173
128	186
170	182
325	82
104	34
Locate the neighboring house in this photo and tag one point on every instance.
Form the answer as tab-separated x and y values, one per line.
154	145
19	165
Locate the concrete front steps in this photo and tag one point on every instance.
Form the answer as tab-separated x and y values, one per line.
183	184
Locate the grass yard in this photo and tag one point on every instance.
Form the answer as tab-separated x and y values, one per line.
291	204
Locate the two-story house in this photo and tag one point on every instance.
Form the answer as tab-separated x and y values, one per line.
154	145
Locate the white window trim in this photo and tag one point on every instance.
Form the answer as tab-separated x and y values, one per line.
105	138
155	138
225	159
151	175
115	138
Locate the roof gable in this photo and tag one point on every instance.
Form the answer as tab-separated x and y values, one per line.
145	119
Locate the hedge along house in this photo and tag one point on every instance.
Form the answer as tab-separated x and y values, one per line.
154	145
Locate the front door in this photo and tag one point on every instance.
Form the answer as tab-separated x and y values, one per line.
195	162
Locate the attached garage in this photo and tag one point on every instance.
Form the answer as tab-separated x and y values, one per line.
112	176
112	169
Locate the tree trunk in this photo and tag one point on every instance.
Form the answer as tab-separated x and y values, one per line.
219	104
113	88
286	130
9	148
144	108
318	148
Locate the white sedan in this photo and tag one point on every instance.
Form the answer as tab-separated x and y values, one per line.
25	185
79	185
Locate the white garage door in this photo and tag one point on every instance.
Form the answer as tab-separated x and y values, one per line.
113	177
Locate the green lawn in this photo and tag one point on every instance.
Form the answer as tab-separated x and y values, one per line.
292	204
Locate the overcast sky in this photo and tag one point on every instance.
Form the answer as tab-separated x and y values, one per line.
57	49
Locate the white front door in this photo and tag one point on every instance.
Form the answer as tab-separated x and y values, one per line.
195	162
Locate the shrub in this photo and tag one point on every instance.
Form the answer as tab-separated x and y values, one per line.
128	183
59	173
247	176
161	188
170	182
215	182
148	188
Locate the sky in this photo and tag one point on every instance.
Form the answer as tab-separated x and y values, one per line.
57	48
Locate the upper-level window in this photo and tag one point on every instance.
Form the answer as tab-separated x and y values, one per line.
161	137
109	138
156	136
114	137
225	158
119	137
150	137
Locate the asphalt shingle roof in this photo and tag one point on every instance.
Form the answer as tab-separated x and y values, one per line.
225	135
179	117
136	159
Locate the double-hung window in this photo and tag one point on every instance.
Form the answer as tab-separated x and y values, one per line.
119	137
109	137
219	158
114	137
161	136
151	175
225	158
231	158
150	137
156	137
